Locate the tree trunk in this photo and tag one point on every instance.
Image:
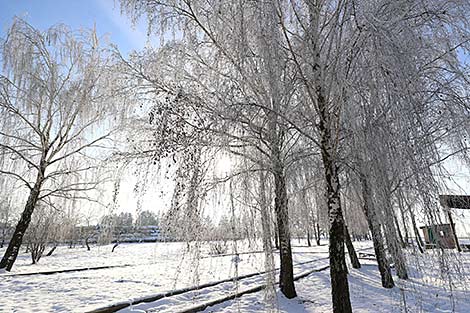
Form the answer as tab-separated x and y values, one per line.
87	243
276	237
51	251
13	248
403	217
37	251
400	236
395	251
393	245
419	240
267	245
317	234
352	252
308	215
33	255
3	237
5	226
391	232
286	277
338	269
115	245
377	238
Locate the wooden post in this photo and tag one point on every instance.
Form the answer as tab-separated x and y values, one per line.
452	226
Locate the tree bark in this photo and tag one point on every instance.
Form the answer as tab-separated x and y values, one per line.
351	251
33	256
419	240
87	243
403	217
309	218
317	234
115	245
338	269
267	244
276	237
393	243
37	249
51	251
286	276
377	238
5	226
400	236
13	248
3	238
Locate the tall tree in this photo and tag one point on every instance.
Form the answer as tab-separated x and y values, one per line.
246	105
301	73
53	106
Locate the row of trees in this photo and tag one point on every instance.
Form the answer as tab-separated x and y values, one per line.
144	218
50	228
336	116
349	105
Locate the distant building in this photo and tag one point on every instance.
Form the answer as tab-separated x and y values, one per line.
455	202
439	236
149	233
96	234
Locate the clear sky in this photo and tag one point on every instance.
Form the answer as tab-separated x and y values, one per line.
77	14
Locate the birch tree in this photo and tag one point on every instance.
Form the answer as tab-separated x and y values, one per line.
322	44
246	104
328	44
395	98
54	108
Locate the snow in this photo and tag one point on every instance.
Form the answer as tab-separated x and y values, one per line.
423	292
154	268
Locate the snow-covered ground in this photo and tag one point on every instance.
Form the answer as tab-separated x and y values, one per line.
153	268
425	291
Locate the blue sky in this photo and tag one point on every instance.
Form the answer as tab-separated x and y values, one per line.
77	14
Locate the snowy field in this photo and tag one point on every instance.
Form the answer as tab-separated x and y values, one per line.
424	292
151	268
